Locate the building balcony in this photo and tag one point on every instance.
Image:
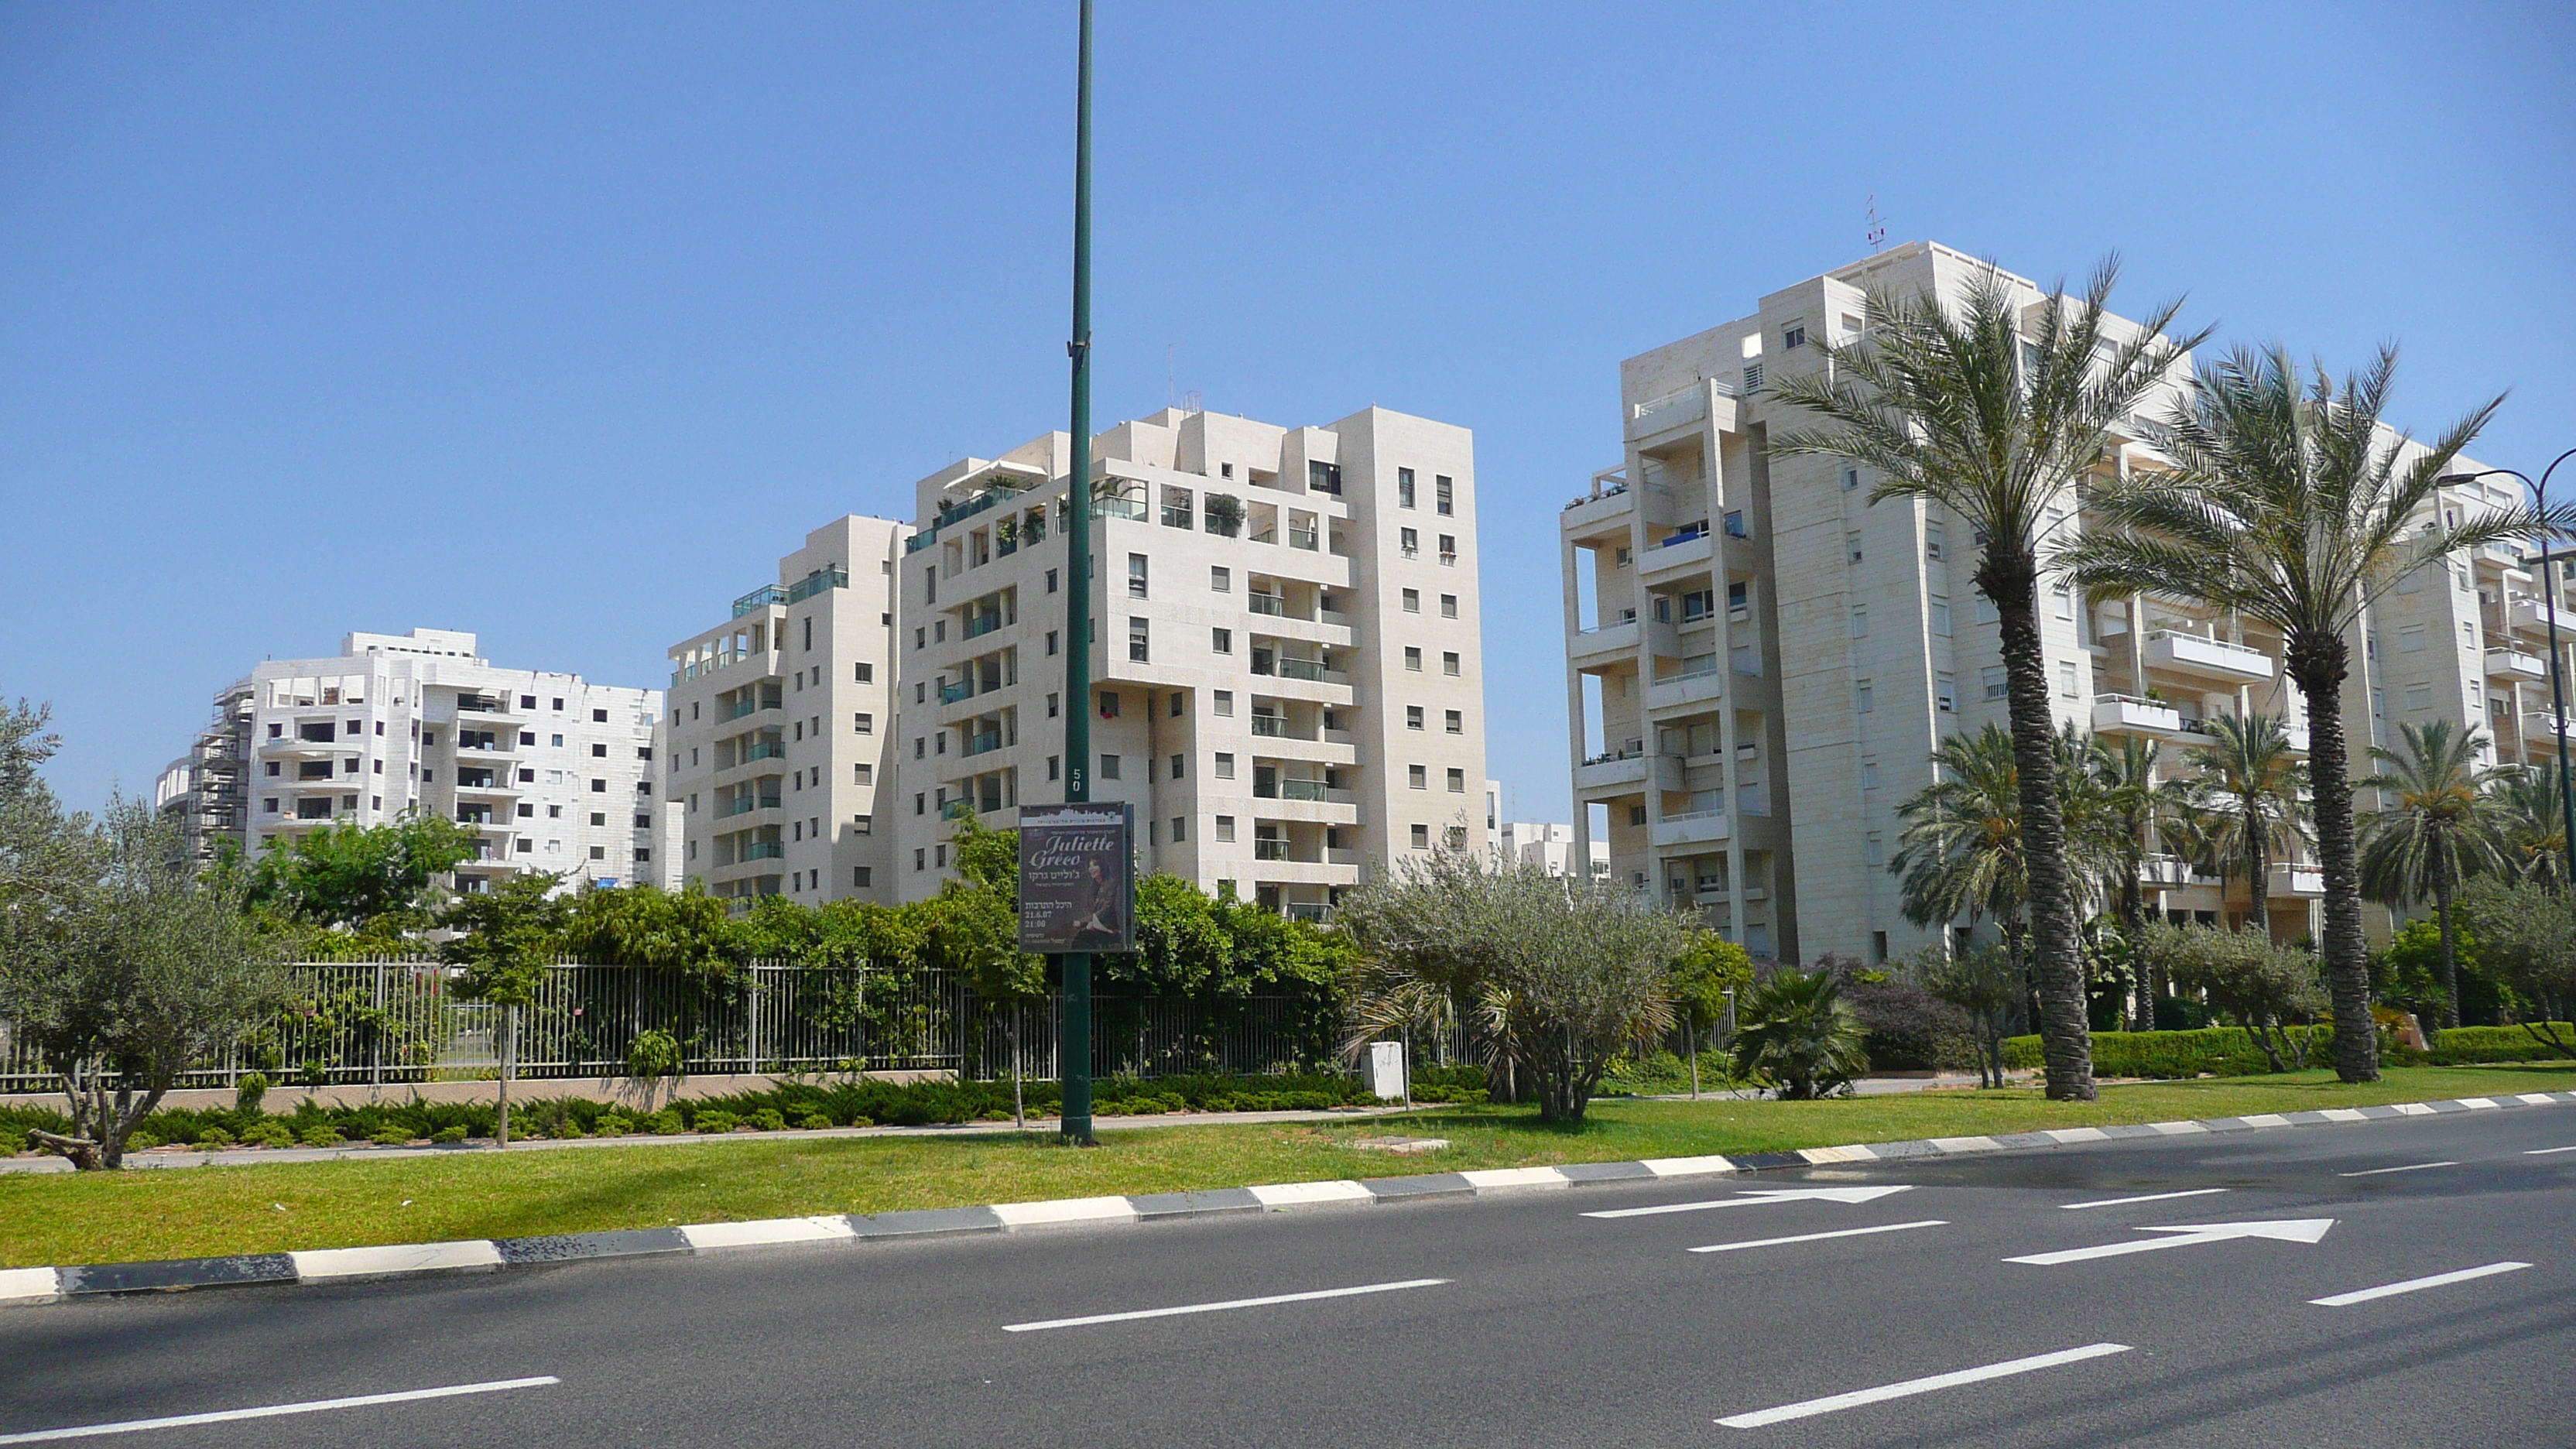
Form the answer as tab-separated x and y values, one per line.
2543	724
2514	664
951	693
2196	654
754	706
1608	644
1600	513
746	804
1609	771
2126	713
983	744
1681	553
495	785
2306	881
1303	872
764	850
2164	871
1697	687
1698	827
2531	614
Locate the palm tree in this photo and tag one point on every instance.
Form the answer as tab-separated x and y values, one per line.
1960	852
2441	831
2249	786
2290	505
2529	825
2141	811
1955	406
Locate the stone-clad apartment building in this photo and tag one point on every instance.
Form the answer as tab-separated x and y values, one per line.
1285	657
1760	661
781	725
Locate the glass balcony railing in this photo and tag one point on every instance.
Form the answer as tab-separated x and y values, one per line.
1270	850
816	582
957	810
1301	669
764	850
982	624
764	750
1271	726
753	706
1305	538
951	693
984	743
746	804
1270	604
759	598
1302	790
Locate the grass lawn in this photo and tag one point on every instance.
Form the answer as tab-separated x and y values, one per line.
138	1215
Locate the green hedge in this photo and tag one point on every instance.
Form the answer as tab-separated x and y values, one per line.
833	1103
2229	1051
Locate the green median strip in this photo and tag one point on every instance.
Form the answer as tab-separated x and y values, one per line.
147	1215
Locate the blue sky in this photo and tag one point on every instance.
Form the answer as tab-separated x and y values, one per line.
561	323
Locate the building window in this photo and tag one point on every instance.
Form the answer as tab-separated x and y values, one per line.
1050	643
1457	721
1993	683
1449	663
1054	702
1449	549
1860	623
1413	659
1734	523
920	637
939	856
597	852
1180	830
1225	828
1932	541
1220	580
1178	761
1136	576
859	877
1793	335
1413	716
599	787
1139	641
1422	837
1863	698
1941	618
863	824
1444	496
1324	477
1054	767
1945	692
1225	765
1109	704
1413	601
1404	488
1851	547
1418	776
917	858
1050	581
1410	541
1457	782
863	774
865	724
863	672
1180	704
2066	679
1874	848
2065	600
1448	606
1109	767
1221	640
2419	697
1869	774
1851	479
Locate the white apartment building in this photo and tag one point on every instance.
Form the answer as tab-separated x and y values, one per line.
1287	676
553	772
781	726
1760	661
1551	847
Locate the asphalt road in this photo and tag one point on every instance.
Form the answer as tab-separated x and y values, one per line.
1547	1325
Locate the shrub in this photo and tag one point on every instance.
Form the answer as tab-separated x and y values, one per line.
247	1093
213	1138
13	1142
450	1135
665	1123
1797	1032
815	1122
267	1134
767	1119
391	1137
710	1123
611	1124
134	1142
863	1122
320	1136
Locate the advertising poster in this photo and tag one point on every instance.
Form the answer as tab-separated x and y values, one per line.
1077	878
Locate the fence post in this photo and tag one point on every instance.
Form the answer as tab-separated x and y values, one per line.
376	1037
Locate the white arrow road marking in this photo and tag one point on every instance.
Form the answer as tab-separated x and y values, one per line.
1220	1307
1761	1197
2410	1167
2415	1285
2150	1197
2285	1230
1911	1387
1820	1237
314	1406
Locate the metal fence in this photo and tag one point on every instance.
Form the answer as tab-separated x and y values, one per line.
399	1021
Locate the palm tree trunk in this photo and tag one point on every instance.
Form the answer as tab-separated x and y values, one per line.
2450	949
2259	878
2133	918
2065	1039
2318	663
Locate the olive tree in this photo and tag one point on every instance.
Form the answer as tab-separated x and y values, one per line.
2267	987
117	965
1988	985
1572	971
2526	933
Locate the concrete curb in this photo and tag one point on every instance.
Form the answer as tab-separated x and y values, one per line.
30	1286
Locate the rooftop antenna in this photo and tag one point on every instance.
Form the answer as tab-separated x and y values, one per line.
1877	225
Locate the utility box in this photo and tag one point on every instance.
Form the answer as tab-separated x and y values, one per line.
1386	1069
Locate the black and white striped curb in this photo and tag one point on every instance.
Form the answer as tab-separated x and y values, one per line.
27	1286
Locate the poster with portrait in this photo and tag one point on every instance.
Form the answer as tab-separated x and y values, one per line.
1077	878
